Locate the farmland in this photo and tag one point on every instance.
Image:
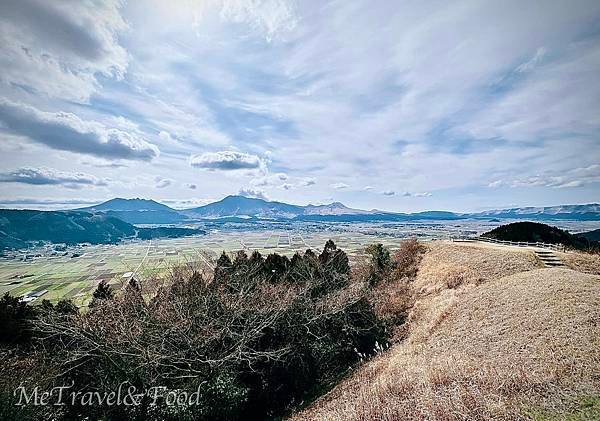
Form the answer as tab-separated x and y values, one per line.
74	272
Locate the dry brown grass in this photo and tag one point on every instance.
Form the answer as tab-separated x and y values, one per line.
470	263
507	338
582	262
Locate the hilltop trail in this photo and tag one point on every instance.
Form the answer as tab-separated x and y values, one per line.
492	334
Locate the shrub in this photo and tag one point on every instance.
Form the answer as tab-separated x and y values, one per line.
407	258
102	292
380	263
391	278
270	337
15	320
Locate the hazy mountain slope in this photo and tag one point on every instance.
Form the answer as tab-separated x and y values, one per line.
142	211
245	206
119	204
138	211
579	212
335	208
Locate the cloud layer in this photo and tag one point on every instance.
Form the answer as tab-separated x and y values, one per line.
459	102
227	161
48	176
67	132
61	48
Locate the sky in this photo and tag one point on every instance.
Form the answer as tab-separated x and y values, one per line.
393	105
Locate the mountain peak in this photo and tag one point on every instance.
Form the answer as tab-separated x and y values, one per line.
122	204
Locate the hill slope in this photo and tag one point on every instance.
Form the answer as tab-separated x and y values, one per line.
20	228
119	204
138	211
535	232
510	341
591	235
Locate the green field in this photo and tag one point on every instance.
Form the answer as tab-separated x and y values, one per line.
76	272
64	276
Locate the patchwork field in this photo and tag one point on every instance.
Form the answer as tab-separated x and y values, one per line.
75	272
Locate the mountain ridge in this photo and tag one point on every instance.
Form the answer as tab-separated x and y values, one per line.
149	211
137	211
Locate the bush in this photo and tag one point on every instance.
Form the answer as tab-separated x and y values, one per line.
15	320
258	337
102	292
380	263
407	259
391	278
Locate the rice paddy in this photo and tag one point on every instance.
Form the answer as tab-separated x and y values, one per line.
53	272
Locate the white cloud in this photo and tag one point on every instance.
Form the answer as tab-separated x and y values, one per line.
47	176
516	99
308	181
60	48
227	161
417	194
67	132
576	177
161	183
533	62
272	19
339	186
254	193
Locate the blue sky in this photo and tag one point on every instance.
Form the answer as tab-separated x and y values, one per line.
402	106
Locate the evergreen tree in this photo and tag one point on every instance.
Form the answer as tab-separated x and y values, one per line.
223	269
103	292
380	262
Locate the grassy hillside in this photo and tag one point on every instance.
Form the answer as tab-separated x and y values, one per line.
491	336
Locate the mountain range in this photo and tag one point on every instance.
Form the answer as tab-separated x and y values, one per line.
143	211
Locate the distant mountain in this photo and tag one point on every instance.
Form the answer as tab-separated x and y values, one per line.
138	211
439	215
245	206
142	211
21	228
335	208
589	212
119	204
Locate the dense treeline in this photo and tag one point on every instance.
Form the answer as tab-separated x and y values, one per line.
537	232
254	337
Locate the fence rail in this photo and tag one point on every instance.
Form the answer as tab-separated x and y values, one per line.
555	247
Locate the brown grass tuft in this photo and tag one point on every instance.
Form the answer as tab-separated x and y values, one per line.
582	262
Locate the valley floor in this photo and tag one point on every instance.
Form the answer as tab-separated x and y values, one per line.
492	335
